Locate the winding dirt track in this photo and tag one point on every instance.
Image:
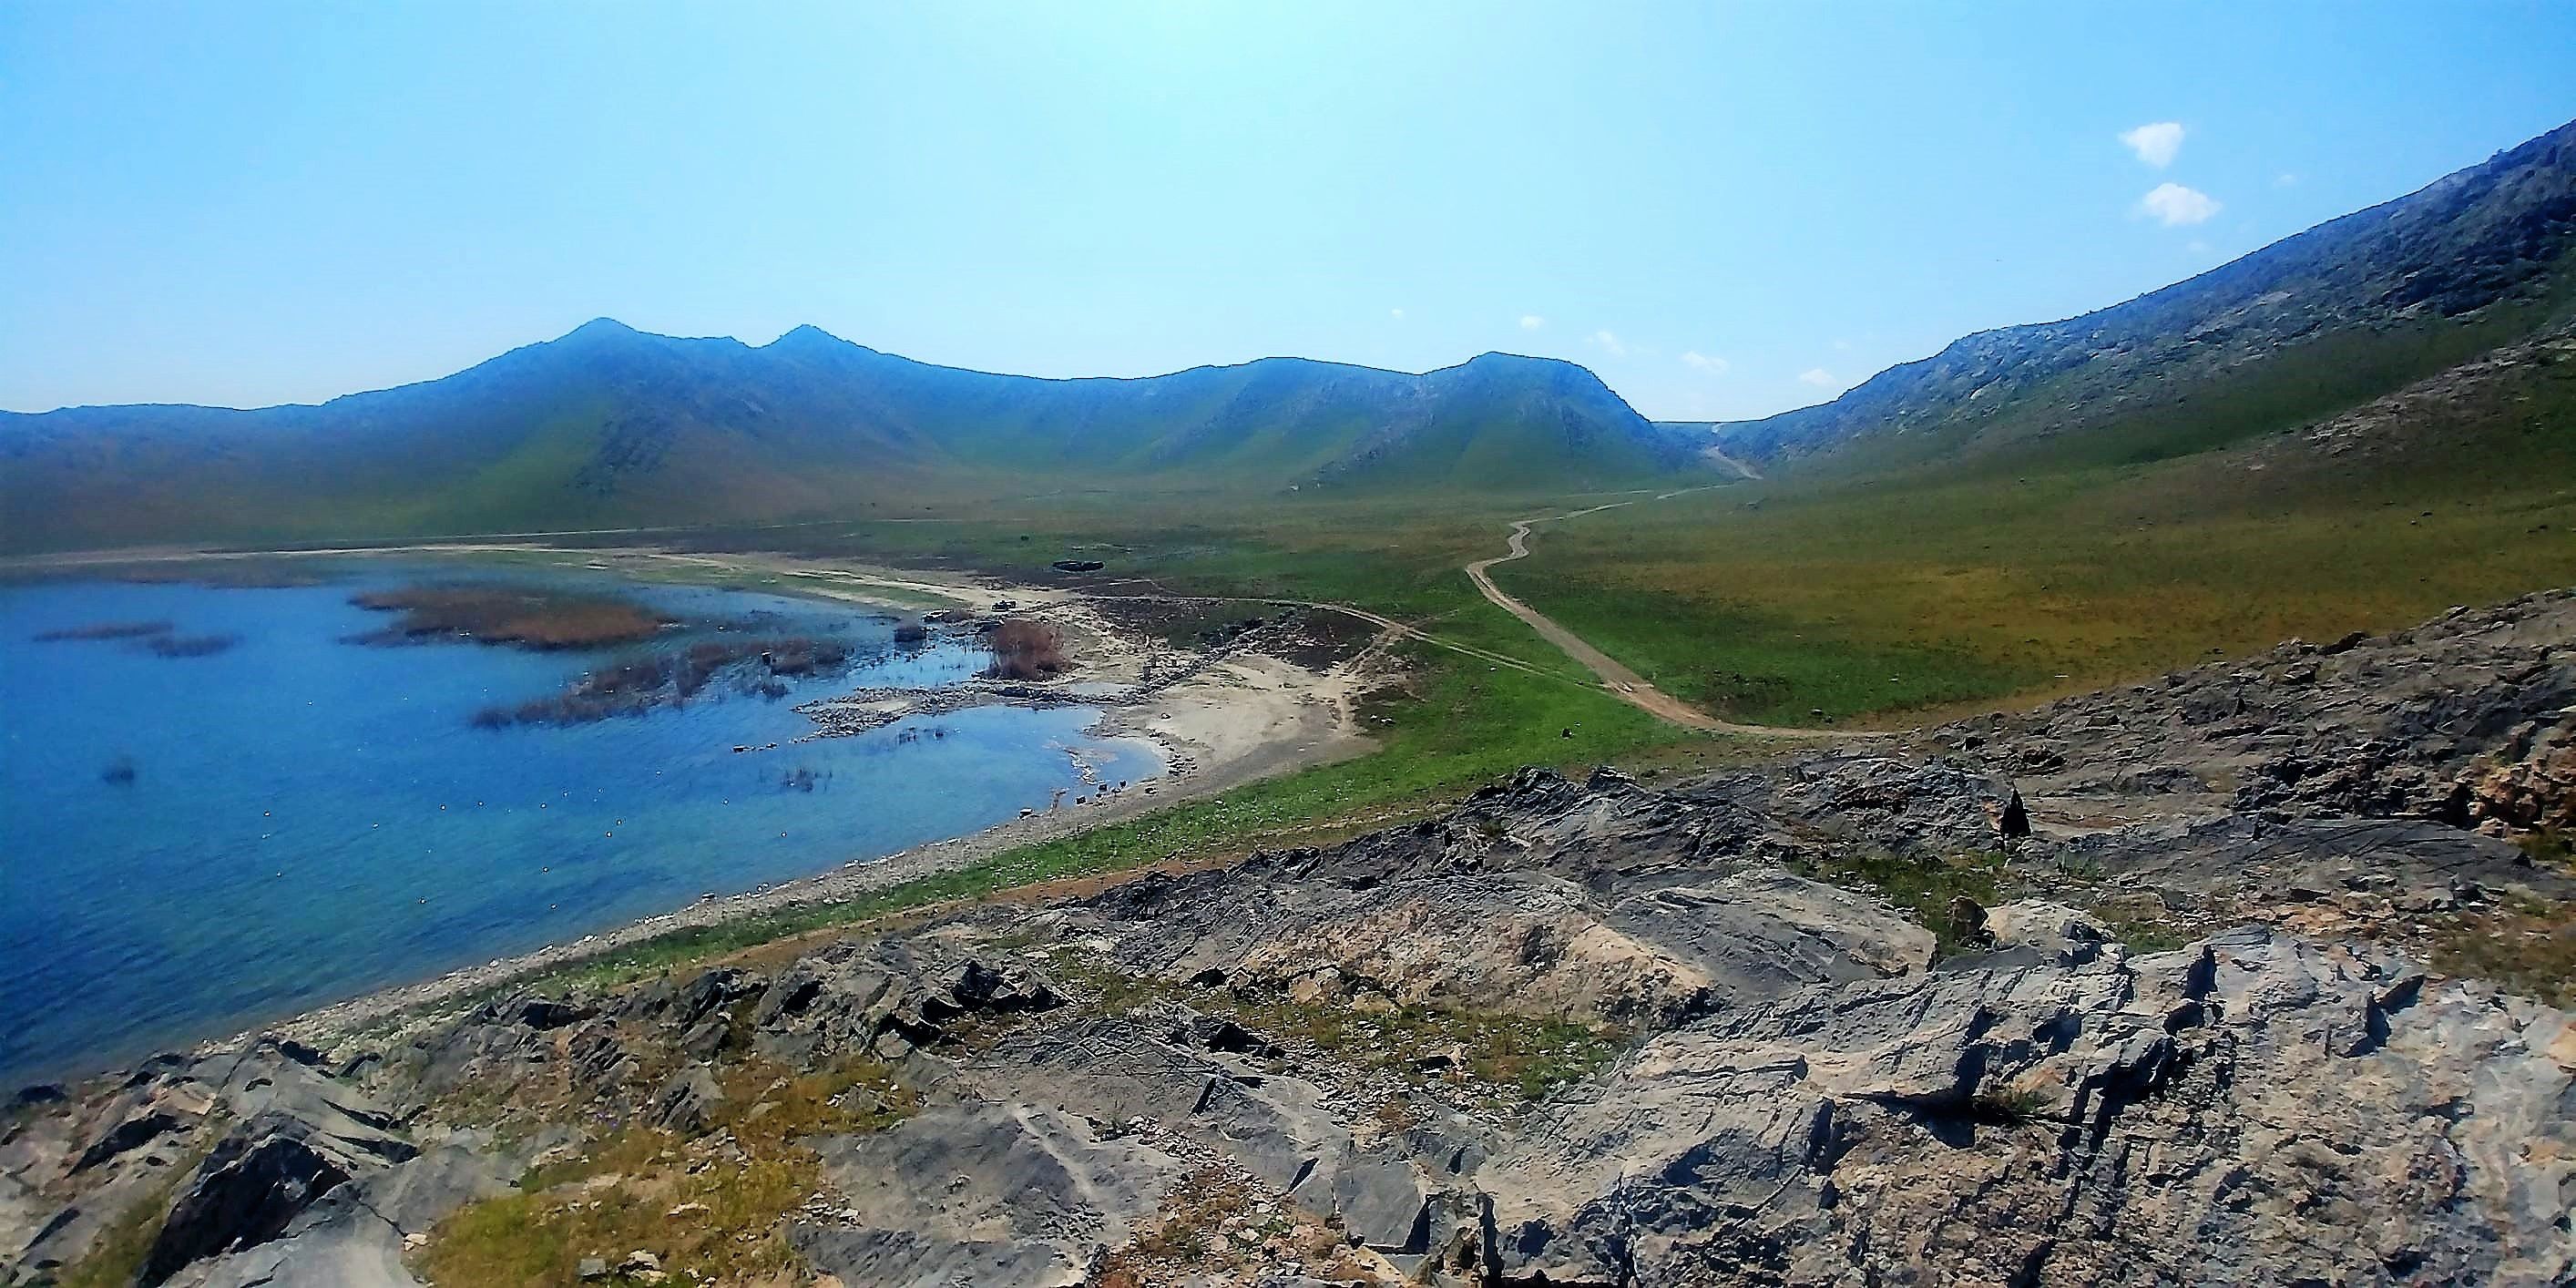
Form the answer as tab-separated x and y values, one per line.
1621	683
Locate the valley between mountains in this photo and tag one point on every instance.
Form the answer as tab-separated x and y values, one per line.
2092	806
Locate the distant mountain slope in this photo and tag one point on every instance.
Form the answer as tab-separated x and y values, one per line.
608	426
2304	328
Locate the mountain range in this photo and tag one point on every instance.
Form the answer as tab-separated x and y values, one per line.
610	427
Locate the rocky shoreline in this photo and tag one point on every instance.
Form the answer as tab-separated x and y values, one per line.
2239	976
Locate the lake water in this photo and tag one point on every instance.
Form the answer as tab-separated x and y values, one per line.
308	819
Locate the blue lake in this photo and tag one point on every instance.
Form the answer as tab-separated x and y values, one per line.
308	819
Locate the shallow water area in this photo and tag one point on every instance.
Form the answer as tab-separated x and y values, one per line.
199	839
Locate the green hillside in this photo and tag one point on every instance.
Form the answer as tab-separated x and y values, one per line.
610	427
2313	324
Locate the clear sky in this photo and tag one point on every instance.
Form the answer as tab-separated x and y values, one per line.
1725	210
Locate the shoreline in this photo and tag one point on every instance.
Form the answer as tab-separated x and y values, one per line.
1330	743
760	573
1219	718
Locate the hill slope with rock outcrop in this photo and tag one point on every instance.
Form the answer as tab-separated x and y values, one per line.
2296	332
2249	975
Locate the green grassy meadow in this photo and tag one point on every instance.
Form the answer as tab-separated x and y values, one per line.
2001	578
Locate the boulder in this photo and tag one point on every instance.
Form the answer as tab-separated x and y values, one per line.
686	1101
258	1180
2049	932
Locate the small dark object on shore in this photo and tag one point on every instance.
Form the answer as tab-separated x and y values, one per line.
120	772
911	633
1079	565
2015	821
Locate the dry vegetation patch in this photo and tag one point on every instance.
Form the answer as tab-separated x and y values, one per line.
1218	1224
635	685
714	1208
1497	1059
1026	650
528	617
2526	945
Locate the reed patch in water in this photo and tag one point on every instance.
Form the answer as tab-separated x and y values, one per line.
522	616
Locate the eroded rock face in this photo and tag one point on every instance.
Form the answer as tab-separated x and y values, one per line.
2257	1109
2388	726
306	1181
258	1180
983	1194
1542	898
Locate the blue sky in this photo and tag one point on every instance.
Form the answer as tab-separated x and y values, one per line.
1726	210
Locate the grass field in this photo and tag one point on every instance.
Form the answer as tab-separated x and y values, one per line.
1881	597
1886	603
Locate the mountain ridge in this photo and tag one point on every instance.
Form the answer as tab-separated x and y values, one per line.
608	425
810	333
2394	292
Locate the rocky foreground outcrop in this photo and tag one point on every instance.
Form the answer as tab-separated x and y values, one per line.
2176	984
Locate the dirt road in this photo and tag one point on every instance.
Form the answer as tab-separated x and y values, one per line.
1618	680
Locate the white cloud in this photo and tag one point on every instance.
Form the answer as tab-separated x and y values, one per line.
2177	205
1610	344
1397	314
1713	366
2155	144
2287	179
1817	376
1532	321
2197	247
